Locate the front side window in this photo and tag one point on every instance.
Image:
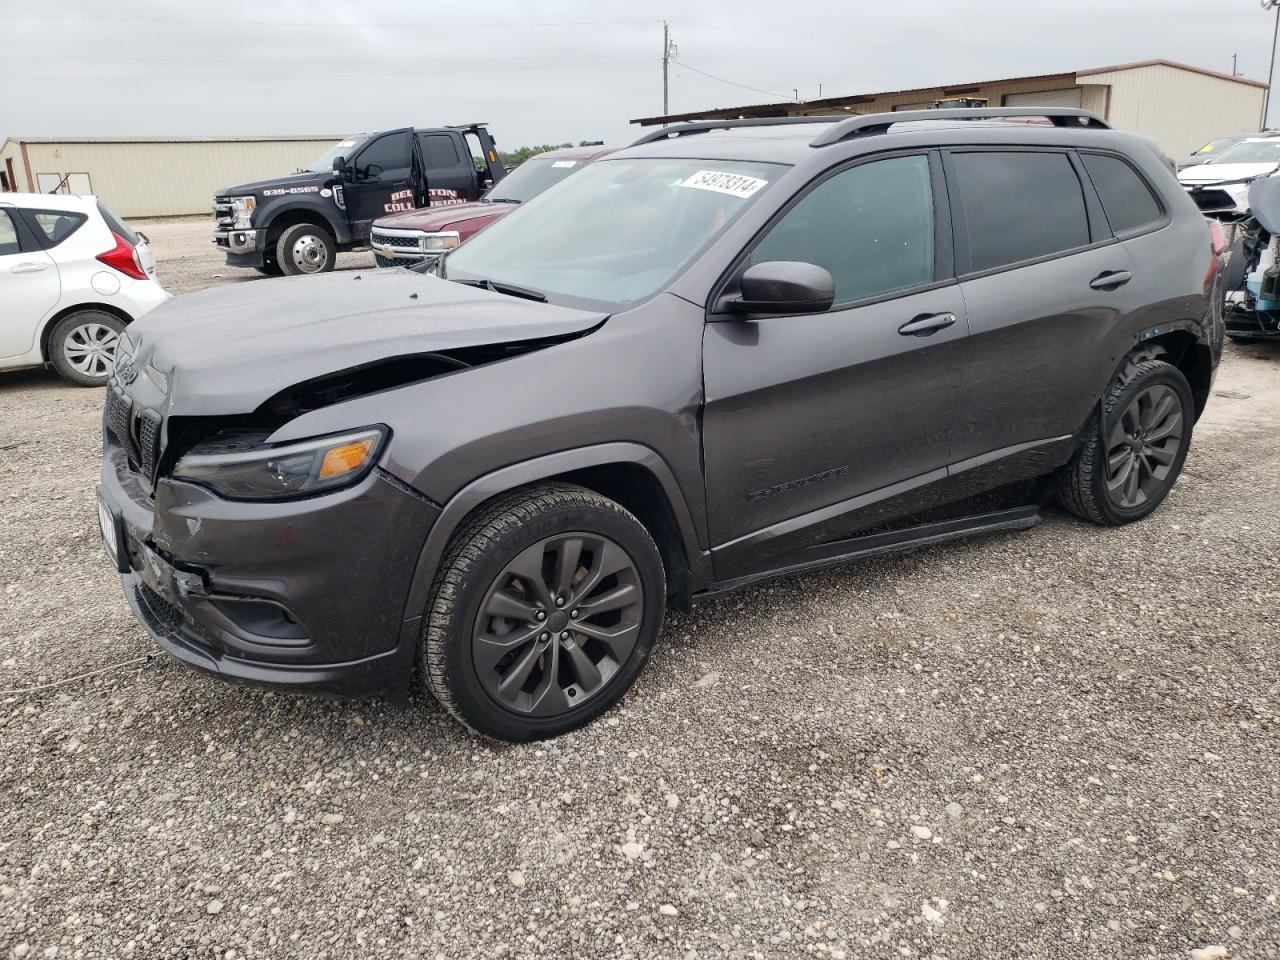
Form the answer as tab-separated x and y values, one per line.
387	153
870	226
8	235
616	233
1019	206
1126	198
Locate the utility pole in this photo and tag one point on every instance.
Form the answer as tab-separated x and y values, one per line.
666	61
1234	71
1271	72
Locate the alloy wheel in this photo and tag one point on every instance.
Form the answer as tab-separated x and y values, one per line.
1143	446
90	349
557	624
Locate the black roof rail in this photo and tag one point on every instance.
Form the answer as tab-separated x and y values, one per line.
702	126
874	123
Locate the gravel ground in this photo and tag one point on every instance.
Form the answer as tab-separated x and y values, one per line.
1057	743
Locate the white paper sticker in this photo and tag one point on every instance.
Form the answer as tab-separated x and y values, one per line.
734	184
564	163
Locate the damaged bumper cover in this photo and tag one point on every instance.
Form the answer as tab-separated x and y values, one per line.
306	594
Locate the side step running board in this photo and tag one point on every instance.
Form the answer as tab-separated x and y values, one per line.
879	544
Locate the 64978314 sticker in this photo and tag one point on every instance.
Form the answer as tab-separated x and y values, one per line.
733	184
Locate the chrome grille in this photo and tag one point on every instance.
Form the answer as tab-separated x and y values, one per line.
222	213
390	240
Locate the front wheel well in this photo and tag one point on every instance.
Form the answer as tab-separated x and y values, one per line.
295	215
47	333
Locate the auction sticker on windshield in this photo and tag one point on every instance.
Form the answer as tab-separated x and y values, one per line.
734	184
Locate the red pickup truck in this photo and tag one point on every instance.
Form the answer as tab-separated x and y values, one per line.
403	239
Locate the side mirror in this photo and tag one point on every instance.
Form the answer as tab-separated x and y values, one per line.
785	286
340	167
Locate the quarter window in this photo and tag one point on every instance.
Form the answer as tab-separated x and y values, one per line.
1019	206
55	226
871	226
8	235
1126	198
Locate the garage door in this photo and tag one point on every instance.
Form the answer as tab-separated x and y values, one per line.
1045	98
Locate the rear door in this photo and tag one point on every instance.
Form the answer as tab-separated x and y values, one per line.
1050	298
817	426
29	286
381	180
451	173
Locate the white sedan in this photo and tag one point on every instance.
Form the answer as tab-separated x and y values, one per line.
72	276
1221	186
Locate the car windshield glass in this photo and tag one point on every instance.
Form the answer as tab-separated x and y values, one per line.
530	178
617	232
1257	151
324	162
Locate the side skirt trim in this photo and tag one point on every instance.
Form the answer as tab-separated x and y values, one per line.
858	548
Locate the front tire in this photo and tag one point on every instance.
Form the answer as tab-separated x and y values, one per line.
83	345
306	248
544	612
1128	465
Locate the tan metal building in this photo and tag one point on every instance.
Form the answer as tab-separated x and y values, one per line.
1179	106
139	177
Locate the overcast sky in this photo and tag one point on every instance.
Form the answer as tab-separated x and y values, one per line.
545	72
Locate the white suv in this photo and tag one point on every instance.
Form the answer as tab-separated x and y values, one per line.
72	275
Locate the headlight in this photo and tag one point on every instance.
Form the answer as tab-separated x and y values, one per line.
444	240
243	469
242	210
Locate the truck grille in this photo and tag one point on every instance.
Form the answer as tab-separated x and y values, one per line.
222	214
390	240
137	432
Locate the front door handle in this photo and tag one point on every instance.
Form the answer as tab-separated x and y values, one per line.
1111	279
926	325
29	267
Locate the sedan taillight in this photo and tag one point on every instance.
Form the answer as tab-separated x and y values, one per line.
124	257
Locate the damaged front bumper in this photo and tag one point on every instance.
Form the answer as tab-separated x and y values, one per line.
305	594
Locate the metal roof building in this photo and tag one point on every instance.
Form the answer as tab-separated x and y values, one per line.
145	177
1179	106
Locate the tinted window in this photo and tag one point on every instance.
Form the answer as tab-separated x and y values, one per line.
870	226
531	178
117	226
55	225
1126	198
1019	206
8	235
441	152
386	153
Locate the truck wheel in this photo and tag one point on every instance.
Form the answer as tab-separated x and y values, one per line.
1125	469
543	613
305	248
82	346
270	266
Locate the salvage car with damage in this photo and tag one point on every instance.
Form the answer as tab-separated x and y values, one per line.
736	350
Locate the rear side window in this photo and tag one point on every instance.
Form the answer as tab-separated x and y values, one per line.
8	235
871	226
55	225
442	152
1019	206
1126	198
118	226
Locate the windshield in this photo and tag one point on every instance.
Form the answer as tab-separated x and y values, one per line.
1255	151
530	178
324	162
616	233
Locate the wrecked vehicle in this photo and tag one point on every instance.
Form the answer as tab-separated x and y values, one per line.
734	351
1252	277
403	239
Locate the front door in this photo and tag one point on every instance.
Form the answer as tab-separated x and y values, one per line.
29	287
818	426
381	181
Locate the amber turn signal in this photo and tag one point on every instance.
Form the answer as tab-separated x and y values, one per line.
348	457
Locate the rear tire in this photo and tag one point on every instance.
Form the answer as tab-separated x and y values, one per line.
500	651
1129	463
306	248
82	347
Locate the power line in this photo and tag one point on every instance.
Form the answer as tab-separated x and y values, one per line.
346	25
712	76
123	59
784	36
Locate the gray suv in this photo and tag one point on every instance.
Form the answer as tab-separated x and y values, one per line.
733	351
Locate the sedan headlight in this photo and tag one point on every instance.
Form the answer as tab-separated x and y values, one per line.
247	470
242	210
441	241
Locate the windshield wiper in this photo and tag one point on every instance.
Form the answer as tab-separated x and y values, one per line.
501	200
510	289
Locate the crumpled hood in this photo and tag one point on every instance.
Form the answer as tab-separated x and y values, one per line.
442	217
255	187
1223	172
228	349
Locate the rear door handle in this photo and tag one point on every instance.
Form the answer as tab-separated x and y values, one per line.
1111	279
927	324
29	267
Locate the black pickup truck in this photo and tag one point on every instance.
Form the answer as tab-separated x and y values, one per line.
298	223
